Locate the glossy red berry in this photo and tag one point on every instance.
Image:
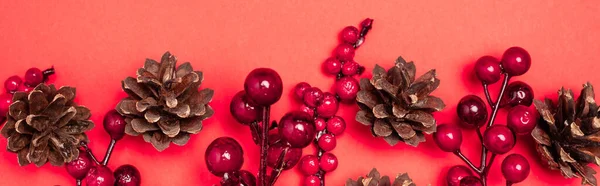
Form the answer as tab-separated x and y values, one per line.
309	165
448	137
344	52
297	128
12	84
223	155
320	124
487	69
521	120
127	175
327	142
336	125
300	88
515	168
516	61
312	97
114	124
471	110
457	173
263	86
312	180
5	102
499	139
100	176
349	35
471	181
79	167
306	109
328	162
517	93
328	105
33	77
276	147
350	68
243	110
332	66
346	89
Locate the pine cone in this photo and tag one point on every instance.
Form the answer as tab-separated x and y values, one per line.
375	179
164	104
397	106
46	125
568	134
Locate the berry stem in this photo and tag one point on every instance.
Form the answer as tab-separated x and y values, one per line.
497	105
487	95
109	151
262	174
467	161
365	26
78	182
89	151
47	73
277	171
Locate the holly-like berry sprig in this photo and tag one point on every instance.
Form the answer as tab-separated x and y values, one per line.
33	77
497	139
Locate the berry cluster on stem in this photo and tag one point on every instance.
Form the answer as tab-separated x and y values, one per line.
33	77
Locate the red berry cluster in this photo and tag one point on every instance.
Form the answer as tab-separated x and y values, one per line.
95	172
497	139
33	77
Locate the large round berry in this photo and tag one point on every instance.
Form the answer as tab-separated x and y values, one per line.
336	125
12	84
328	105
499	139
448	137
309	165
263	86
515	168
487	69
128	175
320	124
100	176
350	68
517	93
5	102
521	120
312	180
328	162
33	77
346	88
349	35
332	66
344	52
471	110
114	124
297	128
79	167
327	142
223	155
471	181
312	97
516	61
276	147
300	88
457	173
243	110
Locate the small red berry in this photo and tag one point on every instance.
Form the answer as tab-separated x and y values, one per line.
517	93
312	97
487	69
336	125
515	168
306	109
33	77
328	105
312	180
320	124
332	66
12	84
350	68
297	128
457	173
471	110
448	137
263	86
79	167
223	155
309	165
344	52
243	110
349	35
328	162
100	176
499	139
300	88
516	61
127	175
114	124
327	142
521	120
5	102
346	88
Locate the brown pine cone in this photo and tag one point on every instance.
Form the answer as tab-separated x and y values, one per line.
164	104
375	179
568	134
46	125
397	106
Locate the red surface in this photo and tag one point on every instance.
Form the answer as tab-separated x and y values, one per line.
94	45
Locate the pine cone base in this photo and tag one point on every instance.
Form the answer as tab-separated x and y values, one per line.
375	179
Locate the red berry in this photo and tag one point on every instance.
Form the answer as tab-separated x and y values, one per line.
516	61
350	68
312	180
312	97
263	86
457	173
327	142
336	125
471	110
276	146
114	124
79	167
349	35
309	165
332	66
306	109
12	84
33	77
517	93
471	181
320	124
127	175
328	162
239	178
499	139
448	137
346	89
25	88
300	88
100	176
5	102
367	23
297	128
328	105
515	168
344	52
243	110
223	155
487	69
521	120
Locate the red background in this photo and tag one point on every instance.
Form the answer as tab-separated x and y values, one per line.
94	45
